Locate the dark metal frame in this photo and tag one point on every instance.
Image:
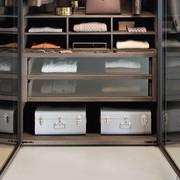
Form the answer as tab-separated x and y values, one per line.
161	87
161	82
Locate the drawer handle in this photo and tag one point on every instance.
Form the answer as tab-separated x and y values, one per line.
125	124
59	125
6	118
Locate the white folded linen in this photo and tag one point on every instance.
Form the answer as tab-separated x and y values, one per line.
5	67
45	29
66	87
90	27
131	44
123	64
10	29
62	87
59	67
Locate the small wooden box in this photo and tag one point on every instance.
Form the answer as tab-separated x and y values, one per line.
123	25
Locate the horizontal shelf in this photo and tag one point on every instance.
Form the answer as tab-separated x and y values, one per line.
89	33
90	139
8	32
87	77
8	76
8	98
8	16
45	33
133	33
89	99
83	15
28	52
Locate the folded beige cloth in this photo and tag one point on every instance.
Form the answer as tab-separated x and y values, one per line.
131	44
90	27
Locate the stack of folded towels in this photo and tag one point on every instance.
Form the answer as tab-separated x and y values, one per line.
90	27
45	29
59	67
131	44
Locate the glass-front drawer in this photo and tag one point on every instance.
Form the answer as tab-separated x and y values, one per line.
90	88
8	87
173	67
8	65
91	65
173	89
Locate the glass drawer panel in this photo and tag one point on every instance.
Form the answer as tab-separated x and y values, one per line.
91	65
94	88
8	65
173	90
8	87
173	67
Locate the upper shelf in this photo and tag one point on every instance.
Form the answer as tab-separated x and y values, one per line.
83	15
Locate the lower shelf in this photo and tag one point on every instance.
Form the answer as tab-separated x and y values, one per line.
89	139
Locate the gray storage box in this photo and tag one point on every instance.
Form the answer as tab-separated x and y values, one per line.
59	121
116	121
6	120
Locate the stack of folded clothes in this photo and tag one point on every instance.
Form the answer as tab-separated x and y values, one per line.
121	89
131	44
9	45
90	27
121	66
59	67
5	67
8	29
59	87
45	29
45	46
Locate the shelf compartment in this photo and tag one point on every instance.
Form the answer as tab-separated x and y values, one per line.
105	39
89	139
46	22
75	21
90	88
90	66
149	23
59	40
151	39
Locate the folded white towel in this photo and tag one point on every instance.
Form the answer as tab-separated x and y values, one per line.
123	64
10	29
90	27
5	67
59	67
130	44
45	29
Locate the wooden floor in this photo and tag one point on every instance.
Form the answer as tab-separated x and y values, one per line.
90	163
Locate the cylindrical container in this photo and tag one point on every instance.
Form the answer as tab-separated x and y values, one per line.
136	7
63	11
74	5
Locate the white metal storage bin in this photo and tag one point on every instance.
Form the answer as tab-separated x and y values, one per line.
60	121
6	120
117	121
